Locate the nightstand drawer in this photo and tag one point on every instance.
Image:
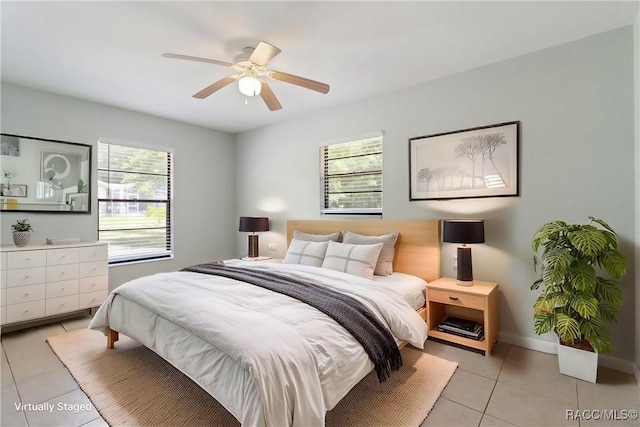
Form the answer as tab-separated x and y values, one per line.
457	298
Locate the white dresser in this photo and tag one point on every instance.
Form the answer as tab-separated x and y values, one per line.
38	281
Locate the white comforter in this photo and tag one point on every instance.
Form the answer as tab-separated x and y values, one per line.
269	359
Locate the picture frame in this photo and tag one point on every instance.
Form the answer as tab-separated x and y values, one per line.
470	163
14	190
76	201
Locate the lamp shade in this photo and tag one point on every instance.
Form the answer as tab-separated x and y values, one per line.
463	231
253	224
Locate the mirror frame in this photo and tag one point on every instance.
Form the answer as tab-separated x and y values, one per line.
55	208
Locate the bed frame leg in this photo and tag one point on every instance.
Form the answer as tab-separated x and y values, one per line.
112	337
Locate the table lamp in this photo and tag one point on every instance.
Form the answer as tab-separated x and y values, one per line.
252	225
463	231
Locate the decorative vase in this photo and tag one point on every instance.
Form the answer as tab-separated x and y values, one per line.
21	238
576	363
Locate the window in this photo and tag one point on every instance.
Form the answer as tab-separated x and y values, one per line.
134	202
351	177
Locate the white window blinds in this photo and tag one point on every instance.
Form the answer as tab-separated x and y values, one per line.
351	177
134	201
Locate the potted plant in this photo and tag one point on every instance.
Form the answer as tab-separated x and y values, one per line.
22	232
576	303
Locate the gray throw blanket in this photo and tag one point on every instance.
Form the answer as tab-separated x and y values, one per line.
351	314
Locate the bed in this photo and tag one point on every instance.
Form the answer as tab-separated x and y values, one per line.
267	358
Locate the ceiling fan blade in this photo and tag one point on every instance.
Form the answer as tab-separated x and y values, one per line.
215	87
269	98
197	59
300	81
264	53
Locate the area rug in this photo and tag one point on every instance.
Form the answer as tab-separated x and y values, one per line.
133	386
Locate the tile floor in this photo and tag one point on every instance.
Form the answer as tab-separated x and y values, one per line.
512	387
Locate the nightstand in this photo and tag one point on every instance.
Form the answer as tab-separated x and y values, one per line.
478	302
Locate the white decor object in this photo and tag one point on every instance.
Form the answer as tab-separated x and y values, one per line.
578	363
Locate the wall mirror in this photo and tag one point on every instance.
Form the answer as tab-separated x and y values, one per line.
44	175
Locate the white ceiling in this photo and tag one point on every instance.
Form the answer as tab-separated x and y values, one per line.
109	52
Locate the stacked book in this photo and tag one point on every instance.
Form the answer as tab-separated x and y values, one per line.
462	327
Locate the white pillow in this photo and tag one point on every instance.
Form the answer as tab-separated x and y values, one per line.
384	266
299	235
353	259
306	253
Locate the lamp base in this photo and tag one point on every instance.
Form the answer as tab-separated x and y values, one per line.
464	282
252	250
465	269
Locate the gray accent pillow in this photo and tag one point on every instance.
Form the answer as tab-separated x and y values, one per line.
384	267
299	235
353	259
306	253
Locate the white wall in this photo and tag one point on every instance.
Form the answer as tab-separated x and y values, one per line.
636	73
204	209
575	104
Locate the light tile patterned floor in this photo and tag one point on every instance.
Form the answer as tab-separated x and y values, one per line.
512	387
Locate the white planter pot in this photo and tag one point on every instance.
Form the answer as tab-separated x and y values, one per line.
578	363
21	238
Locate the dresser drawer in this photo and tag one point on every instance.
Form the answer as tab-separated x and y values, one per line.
26	276
457	298
3	279
92	299
24	259
22	294
92	284
91	269
63	256
62	289
94	253
25	311
61	305
3	297
3	261
57	273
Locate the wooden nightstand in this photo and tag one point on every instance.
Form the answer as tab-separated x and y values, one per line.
478	302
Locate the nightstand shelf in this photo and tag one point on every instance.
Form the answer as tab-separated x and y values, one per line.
478	303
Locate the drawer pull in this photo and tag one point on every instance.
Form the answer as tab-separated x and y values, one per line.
26	311
26	295
26	277
454	298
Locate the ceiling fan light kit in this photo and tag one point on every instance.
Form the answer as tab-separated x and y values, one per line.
249	86
250	65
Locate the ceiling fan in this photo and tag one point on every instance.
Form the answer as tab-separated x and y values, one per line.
251	66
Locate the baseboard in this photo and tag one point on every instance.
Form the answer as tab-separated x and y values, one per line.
544	346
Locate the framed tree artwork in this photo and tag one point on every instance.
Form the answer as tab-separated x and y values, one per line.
469	163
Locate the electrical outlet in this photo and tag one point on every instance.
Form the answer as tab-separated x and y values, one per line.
455	262
273	246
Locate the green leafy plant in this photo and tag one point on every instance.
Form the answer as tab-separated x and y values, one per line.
82	187
22	225
576	303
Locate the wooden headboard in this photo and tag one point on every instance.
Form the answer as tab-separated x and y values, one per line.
417	247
